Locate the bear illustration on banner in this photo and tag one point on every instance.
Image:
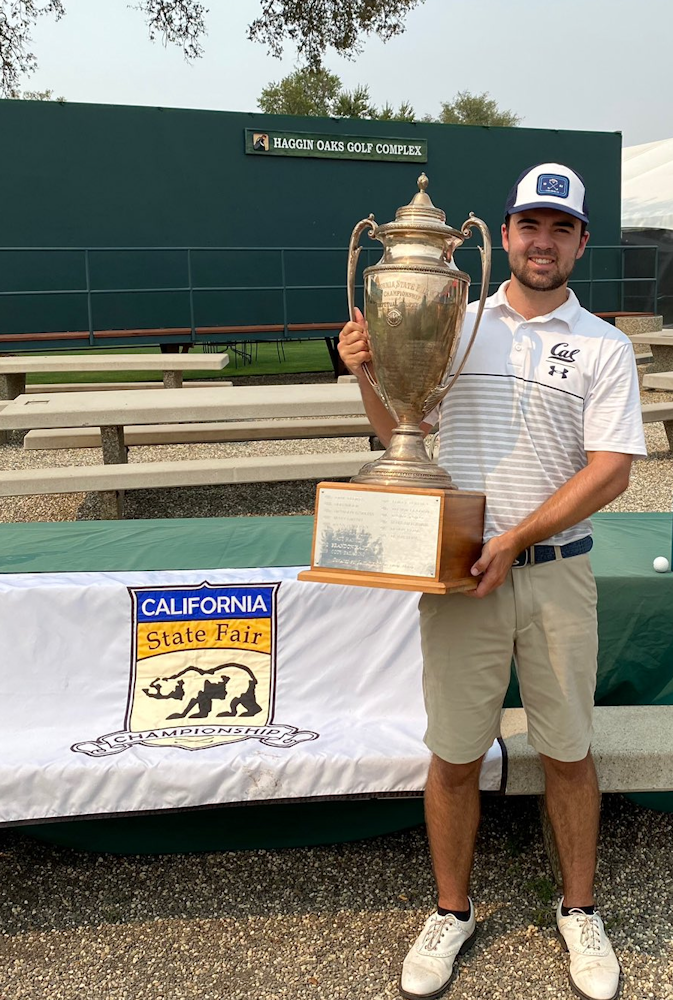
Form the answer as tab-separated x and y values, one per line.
203	670
232	683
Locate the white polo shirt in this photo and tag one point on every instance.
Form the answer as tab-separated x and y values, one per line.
534	397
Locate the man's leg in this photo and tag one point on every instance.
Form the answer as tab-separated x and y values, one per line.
452	816
467	650
573	805
557	644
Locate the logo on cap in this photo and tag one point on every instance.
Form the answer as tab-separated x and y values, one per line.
555	185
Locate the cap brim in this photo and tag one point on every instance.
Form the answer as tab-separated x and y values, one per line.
516	209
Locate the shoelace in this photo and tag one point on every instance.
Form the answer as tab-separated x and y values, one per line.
590	934
435	931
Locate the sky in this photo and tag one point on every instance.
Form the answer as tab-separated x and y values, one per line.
602	65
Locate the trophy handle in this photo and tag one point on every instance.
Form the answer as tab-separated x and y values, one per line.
353	255
485	253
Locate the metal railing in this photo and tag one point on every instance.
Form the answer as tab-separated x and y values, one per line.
369	255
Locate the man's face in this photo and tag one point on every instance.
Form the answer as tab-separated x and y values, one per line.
543	245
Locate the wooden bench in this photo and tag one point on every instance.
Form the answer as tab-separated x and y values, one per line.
632	747
110	481
229	431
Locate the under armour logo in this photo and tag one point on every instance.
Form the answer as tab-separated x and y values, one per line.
563	372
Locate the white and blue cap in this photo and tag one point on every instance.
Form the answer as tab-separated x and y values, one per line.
549	185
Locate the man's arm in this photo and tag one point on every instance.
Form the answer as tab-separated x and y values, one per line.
354	351
603	479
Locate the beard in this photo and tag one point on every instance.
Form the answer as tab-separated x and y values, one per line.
555	278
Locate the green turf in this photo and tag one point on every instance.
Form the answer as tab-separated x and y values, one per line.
299	356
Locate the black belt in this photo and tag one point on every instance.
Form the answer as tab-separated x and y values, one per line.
547	553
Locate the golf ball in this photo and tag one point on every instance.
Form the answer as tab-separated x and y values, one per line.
661	564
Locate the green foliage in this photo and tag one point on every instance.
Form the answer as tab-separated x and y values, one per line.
39	95
355	104
176	22
317	26
405	113
318	92
304	92
16	24
313	27
475	109
543	888
542	918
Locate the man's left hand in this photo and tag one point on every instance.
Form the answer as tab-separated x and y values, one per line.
494	563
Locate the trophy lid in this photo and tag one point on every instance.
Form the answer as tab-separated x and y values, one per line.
420	216
420	206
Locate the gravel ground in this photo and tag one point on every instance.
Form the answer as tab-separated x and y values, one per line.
325	923
322	923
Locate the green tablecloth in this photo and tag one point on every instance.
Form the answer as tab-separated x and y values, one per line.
635	659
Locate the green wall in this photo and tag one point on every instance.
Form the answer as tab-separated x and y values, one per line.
84	175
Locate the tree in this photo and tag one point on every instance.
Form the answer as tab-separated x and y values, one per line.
355	104
312	25
16	22
475	109
304	92
178	22
316	25
319	92
405	113
39	95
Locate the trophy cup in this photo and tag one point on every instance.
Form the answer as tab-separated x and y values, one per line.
401	522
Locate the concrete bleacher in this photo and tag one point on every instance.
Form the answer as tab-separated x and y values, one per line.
110	481
632	748
191	433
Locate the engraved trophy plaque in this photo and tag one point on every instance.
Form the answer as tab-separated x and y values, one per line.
401	522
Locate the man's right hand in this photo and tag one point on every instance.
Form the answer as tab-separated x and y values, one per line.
354	348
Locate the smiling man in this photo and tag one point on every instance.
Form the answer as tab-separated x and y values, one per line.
544	419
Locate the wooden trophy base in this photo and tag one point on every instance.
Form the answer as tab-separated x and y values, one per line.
401	538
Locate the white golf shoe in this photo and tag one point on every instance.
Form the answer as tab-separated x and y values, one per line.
428	968
594	969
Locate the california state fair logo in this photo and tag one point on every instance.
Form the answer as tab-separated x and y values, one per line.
203	670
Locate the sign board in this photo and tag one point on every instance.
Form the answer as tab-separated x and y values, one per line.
335	147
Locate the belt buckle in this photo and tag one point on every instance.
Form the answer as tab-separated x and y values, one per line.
522	559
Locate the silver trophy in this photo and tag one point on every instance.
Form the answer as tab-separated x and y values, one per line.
415	300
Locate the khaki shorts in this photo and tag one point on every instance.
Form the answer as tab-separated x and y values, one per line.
544	616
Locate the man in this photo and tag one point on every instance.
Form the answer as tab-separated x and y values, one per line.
544	419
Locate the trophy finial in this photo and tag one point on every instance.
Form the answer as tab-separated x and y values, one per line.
420	206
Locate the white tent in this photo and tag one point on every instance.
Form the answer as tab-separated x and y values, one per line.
647	221
647	185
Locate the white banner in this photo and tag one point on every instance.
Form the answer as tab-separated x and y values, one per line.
125	692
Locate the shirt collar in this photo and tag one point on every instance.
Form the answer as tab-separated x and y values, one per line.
568	312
